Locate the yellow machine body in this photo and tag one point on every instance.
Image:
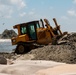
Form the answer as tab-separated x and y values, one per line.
33	32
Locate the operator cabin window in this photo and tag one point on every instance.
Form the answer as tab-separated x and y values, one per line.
23	30
32	31
37	25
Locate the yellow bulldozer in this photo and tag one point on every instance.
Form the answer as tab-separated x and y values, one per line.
35	32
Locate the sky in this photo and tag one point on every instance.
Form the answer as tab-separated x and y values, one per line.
14	12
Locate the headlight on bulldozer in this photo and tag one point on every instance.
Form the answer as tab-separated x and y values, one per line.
13	40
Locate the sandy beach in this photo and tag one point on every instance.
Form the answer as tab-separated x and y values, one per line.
37	67
26	67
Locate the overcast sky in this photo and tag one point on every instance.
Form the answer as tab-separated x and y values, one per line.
18	11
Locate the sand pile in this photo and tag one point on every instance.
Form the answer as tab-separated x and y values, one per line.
65	52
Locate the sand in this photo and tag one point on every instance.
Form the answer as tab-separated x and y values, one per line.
37	67
26	67
59	70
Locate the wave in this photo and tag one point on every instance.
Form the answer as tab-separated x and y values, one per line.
5	40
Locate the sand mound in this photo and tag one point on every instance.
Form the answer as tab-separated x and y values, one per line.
65	52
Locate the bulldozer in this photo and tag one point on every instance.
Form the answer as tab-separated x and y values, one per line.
35	32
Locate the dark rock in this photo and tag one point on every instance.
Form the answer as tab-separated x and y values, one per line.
3	60
8	34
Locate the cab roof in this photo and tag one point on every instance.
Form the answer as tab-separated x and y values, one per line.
24	24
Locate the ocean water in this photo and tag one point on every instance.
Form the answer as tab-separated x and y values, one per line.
6	46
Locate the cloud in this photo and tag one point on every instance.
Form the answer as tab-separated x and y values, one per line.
31	13
51	7
72	12
64	17
19	3
5	11
22	14
8	7
74	1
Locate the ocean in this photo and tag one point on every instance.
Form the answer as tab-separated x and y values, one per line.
6	46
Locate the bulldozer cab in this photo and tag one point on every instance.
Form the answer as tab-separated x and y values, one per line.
30	29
